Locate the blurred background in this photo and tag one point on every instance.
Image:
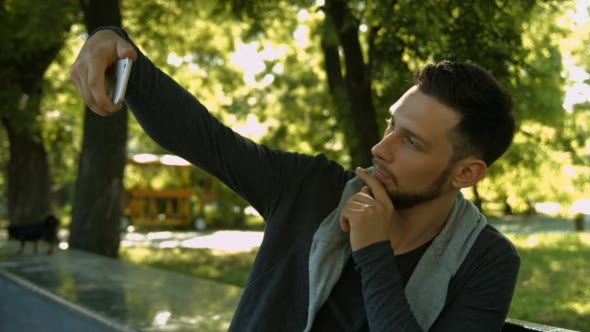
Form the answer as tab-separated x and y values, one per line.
304	76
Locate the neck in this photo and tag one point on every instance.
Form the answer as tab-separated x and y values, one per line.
415	226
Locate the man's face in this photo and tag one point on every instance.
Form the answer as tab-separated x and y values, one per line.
413	158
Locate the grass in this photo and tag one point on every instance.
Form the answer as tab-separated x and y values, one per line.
229	268
553	287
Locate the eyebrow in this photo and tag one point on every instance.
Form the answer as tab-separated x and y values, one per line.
412	133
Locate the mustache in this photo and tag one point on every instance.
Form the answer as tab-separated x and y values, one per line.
378	165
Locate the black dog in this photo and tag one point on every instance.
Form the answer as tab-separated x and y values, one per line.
45	231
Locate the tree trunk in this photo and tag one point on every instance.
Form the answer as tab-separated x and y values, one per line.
353	88
338	93
27	172
507	208
477	201
28	178
579	222
97	205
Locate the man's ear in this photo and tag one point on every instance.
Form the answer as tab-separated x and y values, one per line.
468	172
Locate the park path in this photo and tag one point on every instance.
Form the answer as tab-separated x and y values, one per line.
227	240
237	241
244	241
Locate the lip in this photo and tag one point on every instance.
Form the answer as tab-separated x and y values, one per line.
380	175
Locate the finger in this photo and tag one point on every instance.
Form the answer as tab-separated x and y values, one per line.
77	75
96	87
361	205
109	41
367	191
83	89
346	216
376	187
88	98
362	197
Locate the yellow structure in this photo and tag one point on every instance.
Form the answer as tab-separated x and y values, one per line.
171	206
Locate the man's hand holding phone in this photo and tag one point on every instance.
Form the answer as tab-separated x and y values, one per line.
89	72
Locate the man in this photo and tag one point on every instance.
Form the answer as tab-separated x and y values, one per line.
391	248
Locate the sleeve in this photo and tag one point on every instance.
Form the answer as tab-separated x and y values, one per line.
385	300
480	301
179	123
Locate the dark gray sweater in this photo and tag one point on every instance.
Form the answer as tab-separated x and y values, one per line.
294	193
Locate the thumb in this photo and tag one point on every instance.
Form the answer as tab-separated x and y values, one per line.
126	50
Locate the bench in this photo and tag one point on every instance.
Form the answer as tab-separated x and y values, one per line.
515	325
77	291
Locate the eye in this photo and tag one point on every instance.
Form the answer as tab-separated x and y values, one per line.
410	141
390	122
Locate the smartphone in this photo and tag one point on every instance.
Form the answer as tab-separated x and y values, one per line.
117	77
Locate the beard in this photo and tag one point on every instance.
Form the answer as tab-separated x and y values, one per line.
406	199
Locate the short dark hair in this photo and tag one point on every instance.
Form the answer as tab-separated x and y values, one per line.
487	123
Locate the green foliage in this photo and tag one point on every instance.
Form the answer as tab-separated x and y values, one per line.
537	85
61	114
532	170
409	34
294	108
286	104
546	161
28	30
31	33
578	46
198	49
532	71
259	15
519	43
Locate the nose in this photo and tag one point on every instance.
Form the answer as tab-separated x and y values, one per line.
385	149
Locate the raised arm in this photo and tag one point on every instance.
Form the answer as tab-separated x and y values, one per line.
179	123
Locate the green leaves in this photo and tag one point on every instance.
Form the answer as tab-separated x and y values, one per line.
201	44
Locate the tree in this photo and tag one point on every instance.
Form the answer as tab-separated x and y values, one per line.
32	34
513	40
290	96
62	124
370	50
97	205
351	91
